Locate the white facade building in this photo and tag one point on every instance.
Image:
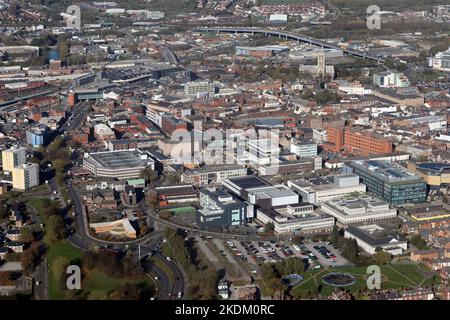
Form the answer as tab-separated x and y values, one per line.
295	218
358	210
324	189
370	237
441	61
303	149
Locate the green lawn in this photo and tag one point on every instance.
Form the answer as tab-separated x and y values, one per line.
42	188
166	251
93	280
393	277
64	249
37	203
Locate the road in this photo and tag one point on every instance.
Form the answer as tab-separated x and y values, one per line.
141	247
296	37
81	237
40	291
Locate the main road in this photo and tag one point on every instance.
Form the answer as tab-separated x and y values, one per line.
296	37
142	247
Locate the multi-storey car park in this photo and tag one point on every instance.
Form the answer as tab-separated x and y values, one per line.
121	164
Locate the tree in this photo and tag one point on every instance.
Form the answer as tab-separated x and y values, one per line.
382	258
27	234
149	175
54	230
97	295
3	211
59	267
143	229
350	249
267	271
63	47
269	227
335	235
31	257
418	241
276	286
172	178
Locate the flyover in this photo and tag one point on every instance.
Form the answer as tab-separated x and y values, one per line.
296	37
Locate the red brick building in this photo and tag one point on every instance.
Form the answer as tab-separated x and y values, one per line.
357	141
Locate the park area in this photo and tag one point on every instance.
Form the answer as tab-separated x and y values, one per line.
96	284
99	280
393	276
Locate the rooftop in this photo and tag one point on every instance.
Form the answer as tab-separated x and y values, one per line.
375	235
385	170
118	159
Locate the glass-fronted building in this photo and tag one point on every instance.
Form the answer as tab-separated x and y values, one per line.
389	181
37	136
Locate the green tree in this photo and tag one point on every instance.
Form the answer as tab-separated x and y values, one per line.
418	241
382	258
269	227
63	46
54	230
149	175
97	295
59	267
31	257
27	234
335	235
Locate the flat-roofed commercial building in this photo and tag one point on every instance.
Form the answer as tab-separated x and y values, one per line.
355	210
441	61
119	228
370	237
297	218
389	181
212	174
303	149
436	174
194	88
13	157
366	141
321	189
123	164
262	151
284	166
220	209
259	192
169	195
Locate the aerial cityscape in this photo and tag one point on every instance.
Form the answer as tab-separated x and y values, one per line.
236	150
